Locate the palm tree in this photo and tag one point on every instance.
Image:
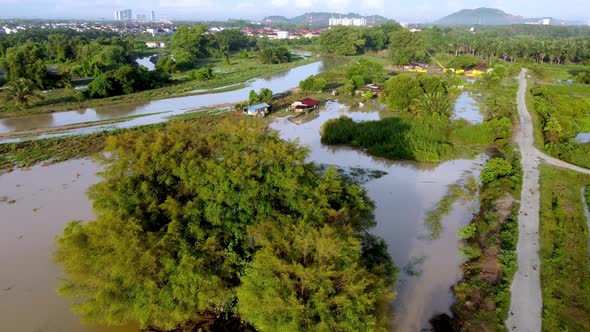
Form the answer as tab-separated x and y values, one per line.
22	92
433	103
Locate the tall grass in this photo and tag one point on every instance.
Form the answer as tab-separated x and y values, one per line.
565	273
422	138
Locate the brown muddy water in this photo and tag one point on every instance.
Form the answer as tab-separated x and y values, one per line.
36	205
46	198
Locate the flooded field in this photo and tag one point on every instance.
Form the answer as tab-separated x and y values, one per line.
428	268
157	110
467	108
37	203
146	62
35	206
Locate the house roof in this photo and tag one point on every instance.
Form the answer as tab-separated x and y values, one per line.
257	107
309	102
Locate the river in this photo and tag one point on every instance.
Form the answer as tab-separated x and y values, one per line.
36	204
158	110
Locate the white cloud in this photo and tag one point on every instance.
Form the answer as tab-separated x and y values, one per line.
185	4
374	4
279	3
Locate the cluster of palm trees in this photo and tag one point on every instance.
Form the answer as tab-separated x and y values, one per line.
488	45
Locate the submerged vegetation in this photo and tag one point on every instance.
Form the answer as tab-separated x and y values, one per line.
421	138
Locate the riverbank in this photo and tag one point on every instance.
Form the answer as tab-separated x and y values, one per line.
233	78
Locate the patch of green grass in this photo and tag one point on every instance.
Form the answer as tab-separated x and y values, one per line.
565	274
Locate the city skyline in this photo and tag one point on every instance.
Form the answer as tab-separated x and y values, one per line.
419	11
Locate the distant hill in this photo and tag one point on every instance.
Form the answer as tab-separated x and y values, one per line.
321	19
480	16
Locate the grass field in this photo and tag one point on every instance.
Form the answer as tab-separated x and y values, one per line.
565	274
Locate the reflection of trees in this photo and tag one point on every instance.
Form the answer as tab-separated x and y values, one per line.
28	122
119	111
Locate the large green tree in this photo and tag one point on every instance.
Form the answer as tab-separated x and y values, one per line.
405	47
179	217
342	40
229	40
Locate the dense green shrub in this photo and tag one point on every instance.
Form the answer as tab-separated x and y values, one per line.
421	138
202	74
313	84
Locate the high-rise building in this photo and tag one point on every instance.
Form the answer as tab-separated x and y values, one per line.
153	16
123	15
359	22
141	17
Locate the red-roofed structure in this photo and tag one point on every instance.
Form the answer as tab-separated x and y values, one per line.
305	105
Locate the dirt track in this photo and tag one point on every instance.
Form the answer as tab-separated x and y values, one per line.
527	302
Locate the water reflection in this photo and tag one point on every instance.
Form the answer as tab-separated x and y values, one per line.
466	108
402	197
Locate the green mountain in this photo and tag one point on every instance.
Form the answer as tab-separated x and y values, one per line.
321	19
480	16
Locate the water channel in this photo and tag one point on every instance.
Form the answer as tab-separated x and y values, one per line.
157	110
37	203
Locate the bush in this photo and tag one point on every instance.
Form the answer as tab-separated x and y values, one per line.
495	169
202	74
274	55
313	84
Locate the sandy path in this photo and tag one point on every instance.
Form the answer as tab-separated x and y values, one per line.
526	303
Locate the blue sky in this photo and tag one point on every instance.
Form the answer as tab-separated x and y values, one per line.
401	10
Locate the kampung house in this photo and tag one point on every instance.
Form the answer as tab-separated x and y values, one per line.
305	105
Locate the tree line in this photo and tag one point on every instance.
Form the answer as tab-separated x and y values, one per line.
517	43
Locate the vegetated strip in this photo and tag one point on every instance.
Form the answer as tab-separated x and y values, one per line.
483	295
54	150
565	274
39	131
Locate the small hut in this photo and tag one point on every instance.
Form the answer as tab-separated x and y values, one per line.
304	105
258	109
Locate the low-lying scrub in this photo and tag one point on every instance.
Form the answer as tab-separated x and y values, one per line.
483	296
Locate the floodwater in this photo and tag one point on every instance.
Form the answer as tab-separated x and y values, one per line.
583	137
467	108
35	205
47	198
402	199
157	110
146	62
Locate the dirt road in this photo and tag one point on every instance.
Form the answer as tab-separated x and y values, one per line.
526	304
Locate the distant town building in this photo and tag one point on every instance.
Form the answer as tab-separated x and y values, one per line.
123	15
141	17
155	44
153	18
282	34
543	21
357	22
